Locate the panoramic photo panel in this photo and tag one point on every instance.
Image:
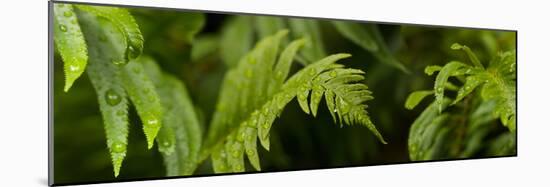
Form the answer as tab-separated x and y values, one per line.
147	93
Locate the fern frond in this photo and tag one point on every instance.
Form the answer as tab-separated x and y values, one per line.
415	98
497	96
70	43
179	139
112	82
427	131
125	24
144	97
497	82
255	93
112	98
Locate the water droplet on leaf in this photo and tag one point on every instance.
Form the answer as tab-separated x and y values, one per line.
74	68
153	121
112	97
332	74
118	147
63	28
67	13
133	52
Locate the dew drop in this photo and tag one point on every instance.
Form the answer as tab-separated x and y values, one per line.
118	147
73	68
241	137
73	21
133	52
239	167
63	28
439	89
112	97
119	62
120	113
265	125
166	144
250	153
312	72
68	14
332	74
235	153
279	74
153	122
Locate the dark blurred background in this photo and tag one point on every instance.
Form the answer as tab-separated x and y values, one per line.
299	141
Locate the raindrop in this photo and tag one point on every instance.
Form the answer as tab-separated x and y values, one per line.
73	68
235	153
119	62
332	74
118	147
265	126
73	21
133	52
68	14
63	28
439	89
120	113
250	153
239	167
153	121
112	97
166	144
312	72
279	74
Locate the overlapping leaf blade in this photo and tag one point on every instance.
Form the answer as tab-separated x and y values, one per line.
70	43
109	87
180	138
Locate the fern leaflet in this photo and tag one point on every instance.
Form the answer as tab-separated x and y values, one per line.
70	43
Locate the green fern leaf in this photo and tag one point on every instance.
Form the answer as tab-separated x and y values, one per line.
501	86
426	131
180	137
236	40
125	24
415	98
70	43
255	93
109	87
447	71
144	97
355	33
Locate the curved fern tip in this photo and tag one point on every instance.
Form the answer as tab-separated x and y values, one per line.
456	46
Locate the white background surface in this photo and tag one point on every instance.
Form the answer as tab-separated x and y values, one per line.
23	92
